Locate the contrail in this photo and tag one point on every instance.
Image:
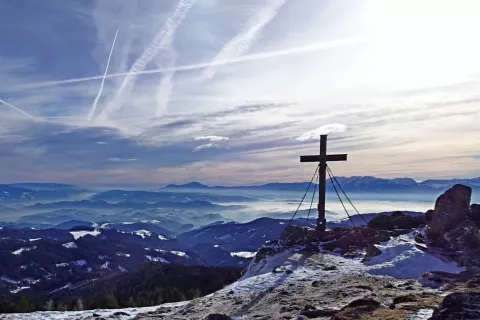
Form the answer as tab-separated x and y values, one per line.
319	46
165	87
242	42
165	92
16	109
95	102
141	63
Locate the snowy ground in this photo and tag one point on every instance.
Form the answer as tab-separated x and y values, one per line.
281	285
116	314
400	258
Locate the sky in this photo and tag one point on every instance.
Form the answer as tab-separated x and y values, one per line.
149	92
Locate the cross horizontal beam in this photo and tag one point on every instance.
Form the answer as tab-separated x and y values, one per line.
318	158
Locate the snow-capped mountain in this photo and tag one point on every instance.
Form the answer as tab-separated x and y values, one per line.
352	184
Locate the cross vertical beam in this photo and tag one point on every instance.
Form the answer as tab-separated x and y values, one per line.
322	159
321	221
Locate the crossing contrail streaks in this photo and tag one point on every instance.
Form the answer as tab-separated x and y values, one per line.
95	102
15	108
173	22
318	46
242	42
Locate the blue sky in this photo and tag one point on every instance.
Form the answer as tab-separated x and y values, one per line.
228	92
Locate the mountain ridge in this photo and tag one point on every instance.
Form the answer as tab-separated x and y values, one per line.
353	183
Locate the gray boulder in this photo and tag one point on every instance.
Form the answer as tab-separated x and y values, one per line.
458	305
451	227
451	208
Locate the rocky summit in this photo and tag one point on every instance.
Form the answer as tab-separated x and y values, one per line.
394	267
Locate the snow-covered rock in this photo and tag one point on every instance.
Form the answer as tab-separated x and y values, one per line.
78	234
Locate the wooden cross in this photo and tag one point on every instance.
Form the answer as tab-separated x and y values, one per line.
322	159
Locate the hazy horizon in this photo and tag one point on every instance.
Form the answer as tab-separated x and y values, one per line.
152	185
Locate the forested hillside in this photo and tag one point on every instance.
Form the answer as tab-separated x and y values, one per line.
151	284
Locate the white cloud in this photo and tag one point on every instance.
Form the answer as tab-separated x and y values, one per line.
206	146
326	129
211	138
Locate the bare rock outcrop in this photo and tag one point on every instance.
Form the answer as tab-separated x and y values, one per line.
458	305
350	240
451	227
397	221
451	208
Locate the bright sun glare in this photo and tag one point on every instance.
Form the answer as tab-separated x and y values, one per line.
425	37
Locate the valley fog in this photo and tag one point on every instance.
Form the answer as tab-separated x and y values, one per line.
281	204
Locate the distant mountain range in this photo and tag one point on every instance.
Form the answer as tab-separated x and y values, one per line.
25	192
352	184
43	192
157	196
44	186
101	204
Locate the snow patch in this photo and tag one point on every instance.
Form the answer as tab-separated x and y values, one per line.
78	234
70	245
19	289
80	262
61	264
143	233
400	258
178	253
88	314
36	239
422	314
121	254
31	280
162	237
9	280
19	251
67	286
157	259
243	254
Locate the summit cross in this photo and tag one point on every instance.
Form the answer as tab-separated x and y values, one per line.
322	159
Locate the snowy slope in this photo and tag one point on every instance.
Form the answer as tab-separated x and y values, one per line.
400	258
113	314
